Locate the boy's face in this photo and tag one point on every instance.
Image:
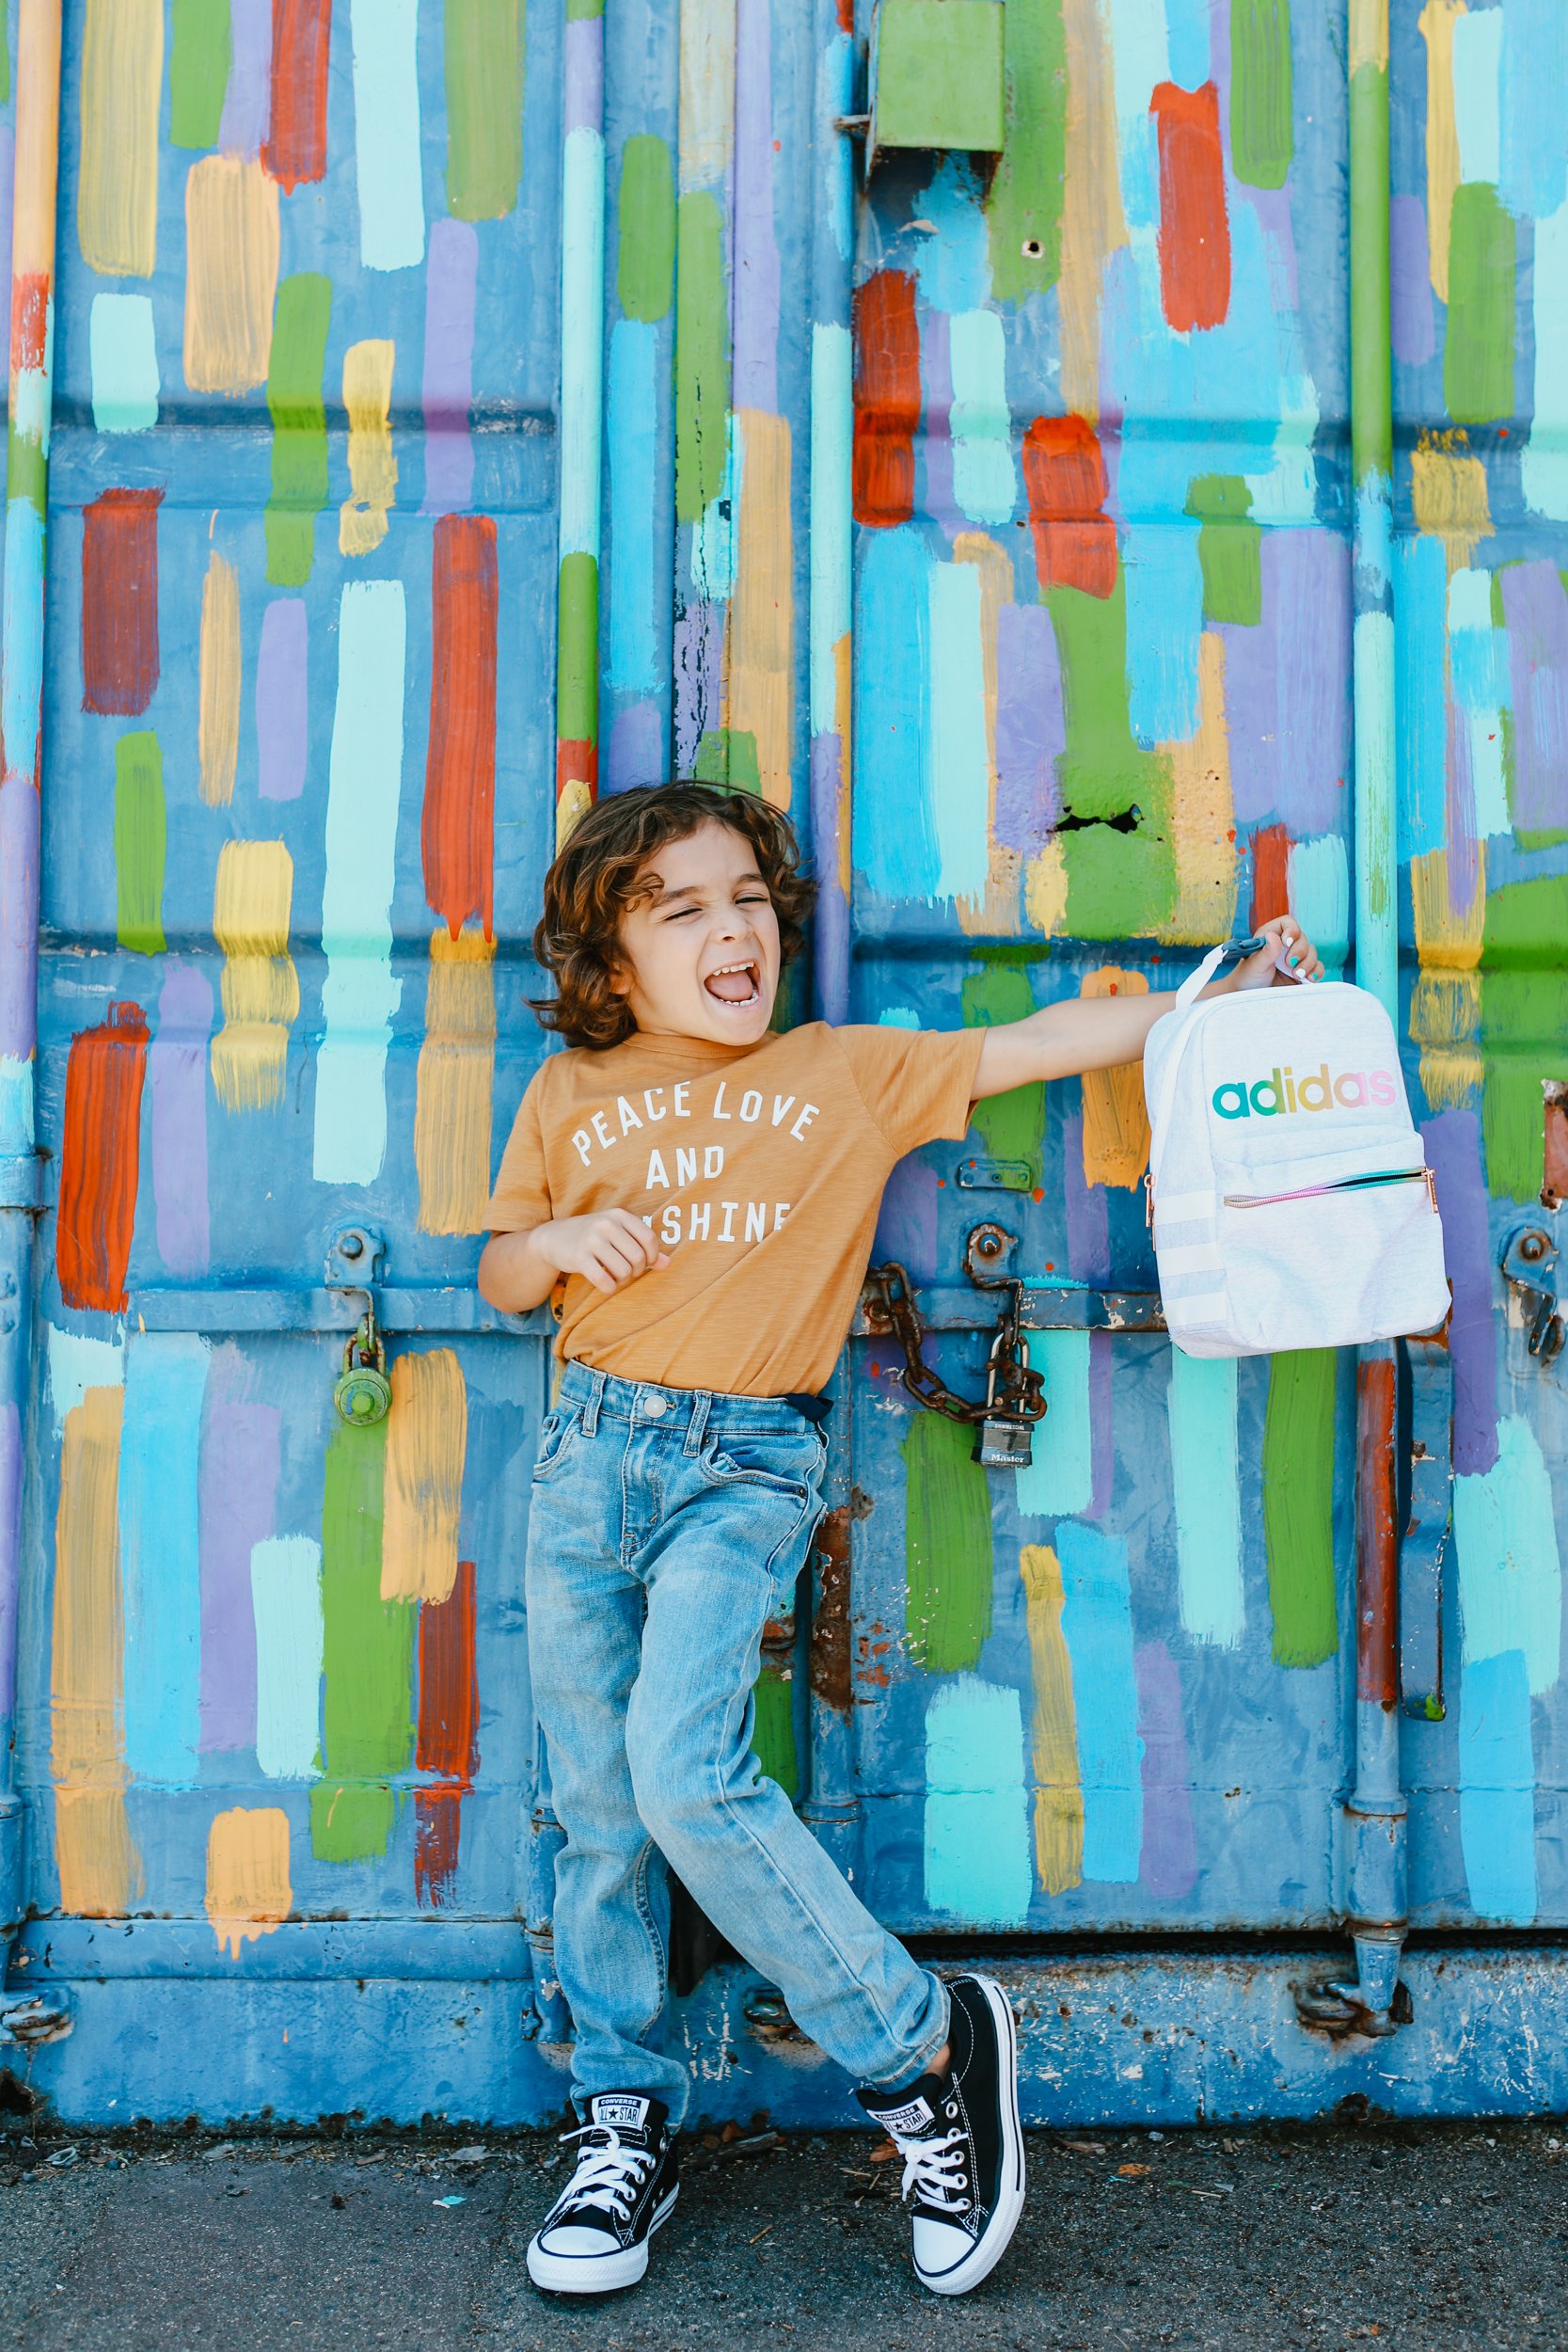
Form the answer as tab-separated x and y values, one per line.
700	951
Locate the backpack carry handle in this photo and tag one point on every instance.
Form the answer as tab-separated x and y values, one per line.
1184	1011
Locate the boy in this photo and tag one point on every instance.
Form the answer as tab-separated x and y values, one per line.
703	1193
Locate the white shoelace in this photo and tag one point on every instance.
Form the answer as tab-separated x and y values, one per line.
933	2169
608	2175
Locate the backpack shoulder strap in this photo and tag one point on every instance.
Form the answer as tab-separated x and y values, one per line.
1184	1011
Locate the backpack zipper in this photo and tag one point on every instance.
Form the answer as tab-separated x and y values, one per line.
1346	1184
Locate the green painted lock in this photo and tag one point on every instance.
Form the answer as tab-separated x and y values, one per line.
363	1393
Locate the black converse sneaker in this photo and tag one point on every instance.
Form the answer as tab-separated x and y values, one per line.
962	2147
596	2235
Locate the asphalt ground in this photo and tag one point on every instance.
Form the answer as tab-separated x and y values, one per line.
1435	2237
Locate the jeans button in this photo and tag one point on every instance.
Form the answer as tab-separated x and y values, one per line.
654	1407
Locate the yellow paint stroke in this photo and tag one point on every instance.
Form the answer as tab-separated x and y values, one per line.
762	609
1447	494
575	800
116	196
422	1484
373	470
218	725
1115	1123
1045	890
1203	814
706	92
1445	1007
97	1862
998	910
251	902
1093	224
248	1888
453	1089
843	727
1435	24
1369	35
230	274
1059	1795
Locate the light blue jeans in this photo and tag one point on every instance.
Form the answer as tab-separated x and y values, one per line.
666	1526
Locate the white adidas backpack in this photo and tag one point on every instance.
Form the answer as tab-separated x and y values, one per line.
1288	1190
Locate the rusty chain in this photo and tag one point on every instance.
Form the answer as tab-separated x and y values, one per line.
1014	1390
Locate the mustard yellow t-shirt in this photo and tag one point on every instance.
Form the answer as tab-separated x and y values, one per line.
759	1171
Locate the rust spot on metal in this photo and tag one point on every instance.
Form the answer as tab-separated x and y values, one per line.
1377	1552
829	1632
1554	1183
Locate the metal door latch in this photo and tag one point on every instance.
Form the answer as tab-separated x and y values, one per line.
361	1392
1014	1394
1529	1269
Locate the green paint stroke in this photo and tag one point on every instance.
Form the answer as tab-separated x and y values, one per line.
773	1729
298	426
367	1659
1121	884
200	54
6	57
580	11
577	651
947	1545
26	468
702	358
645	230
1229	548
1477	355
1262	140
485	106
140	844
1024	210
1013	1125
729	756
1298	1505
1524	1025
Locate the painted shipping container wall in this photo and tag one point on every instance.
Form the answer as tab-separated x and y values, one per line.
460	409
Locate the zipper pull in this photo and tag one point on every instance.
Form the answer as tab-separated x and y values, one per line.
1432	1188
1148	1199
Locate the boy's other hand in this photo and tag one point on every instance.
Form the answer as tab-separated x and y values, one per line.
1288	955
609	1248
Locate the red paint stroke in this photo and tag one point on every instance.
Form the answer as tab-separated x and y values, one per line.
30	319
446	1740
1065	480
120	601
457	830
1194	234
578	761
1376	1550
887	398
1271	853
100	1155
301	39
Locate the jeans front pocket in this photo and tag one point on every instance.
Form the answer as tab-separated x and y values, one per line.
556	1433
785	1477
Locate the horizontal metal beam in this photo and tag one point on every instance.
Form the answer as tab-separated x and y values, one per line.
398	1307
1068	1307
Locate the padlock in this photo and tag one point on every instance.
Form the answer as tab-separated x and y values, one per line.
1001	1443
363	1393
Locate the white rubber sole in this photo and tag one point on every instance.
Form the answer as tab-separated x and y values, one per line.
994	2240
594	2274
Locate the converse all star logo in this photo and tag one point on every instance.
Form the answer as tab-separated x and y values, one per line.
909	2120
621	2114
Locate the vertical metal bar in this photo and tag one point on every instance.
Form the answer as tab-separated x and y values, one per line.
1377	1901
581	420
1372	461
704	522
32	361
833	415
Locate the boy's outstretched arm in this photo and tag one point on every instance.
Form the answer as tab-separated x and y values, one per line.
1101	1032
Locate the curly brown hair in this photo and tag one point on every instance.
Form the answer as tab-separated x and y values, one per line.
592	881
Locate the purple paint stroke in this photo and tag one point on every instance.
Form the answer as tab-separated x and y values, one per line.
1535	608
1410	282
452	276
282	700
584	93
1103	1452
10	1534
1273	208
176	1076
634	748
1453	1153
1031	730
1459	808
247	101
1168	1865
756	251
907	1221
831	933
699	678
1287	687
237	1508
1088	1230
936	443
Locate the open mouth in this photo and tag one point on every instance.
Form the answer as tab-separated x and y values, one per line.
739	984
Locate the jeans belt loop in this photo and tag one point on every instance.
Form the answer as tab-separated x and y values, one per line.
590	1412
702	1405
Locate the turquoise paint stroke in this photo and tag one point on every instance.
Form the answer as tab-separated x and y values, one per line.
631	648
978	1865
582	339
1200	1408
1510	1572
1484	689
951	255
22	627
286	1603
833	433
1376	941
892	829
387	156
1421	588
960	776
1496	1788
1059	1480
359	994
1317	887
1164	622
715	536
1140	56
984	484
122	352
1534	163
165	1378
1097	1626
78	1363
1477	42
1187	35
1544	468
